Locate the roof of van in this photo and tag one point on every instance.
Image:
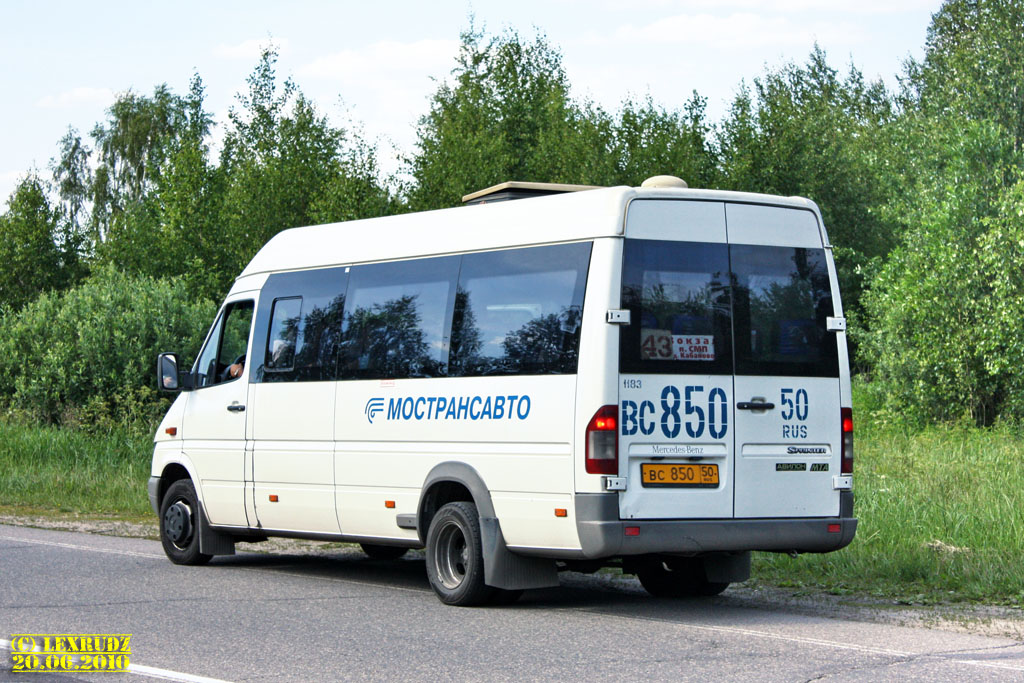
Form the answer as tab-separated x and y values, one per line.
557	218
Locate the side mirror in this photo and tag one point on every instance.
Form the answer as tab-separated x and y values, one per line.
168	377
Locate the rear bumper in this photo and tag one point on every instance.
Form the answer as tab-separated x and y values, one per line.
602	534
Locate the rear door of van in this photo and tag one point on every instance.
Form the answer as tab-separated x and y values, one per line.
729	381
788	418
676	446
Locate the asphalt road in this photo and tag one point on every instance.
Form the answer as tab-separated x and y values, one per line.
255	617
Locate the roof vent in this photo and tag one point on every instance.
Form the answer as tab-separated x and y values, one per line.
515	189
664	181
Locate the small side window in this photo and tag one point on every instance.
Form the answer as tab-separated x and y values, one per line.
284	332
224	357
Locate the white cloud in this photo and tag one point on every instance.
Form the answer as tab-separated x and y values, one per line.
387	60
250	50
77	97
739	30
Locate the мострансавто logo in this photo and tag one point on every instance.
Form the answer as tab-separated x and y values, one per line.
499	407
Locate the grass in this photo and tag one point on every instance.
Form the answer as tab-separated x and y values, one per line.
941	520
48	469
941	510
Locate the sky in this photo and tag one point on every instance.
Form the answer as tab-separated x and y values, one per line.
374	65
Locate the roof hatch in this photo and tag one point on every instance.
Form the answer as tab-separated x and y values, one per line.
514	189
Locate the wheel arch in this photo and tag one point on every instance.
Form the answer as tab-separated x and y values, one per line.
453	481
446	483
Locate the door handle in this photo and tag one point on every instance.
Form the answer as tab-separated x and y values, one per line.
754	405
236	407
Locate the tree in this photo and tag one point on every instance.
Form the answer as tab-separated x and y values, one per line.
72	178
132	146
506	116
941	311
284	165
804	131
31	246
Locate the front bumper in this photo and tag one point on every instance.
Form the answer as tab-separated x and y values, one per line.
154	494
602	534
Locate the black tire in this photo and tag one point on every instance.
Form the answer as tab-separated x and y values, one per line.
179	524
455	562
677	578
383	552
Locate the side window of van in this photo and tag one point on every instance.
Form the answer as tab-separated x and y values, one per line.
226	345
298	327
678	297
518	311
783	298
285	315
397	318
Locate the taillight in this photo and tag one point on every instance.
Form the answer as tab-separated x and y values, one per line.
846	467
603	442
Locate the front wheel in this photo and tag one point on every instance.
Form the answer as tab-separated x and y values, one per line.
179	524
677	578
455	562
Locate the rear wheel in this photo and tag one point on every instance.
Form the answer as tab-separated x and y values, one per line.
179	524
677	578
383	552
455	562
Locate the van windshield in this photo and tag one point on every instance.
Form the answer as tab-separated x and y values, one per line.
706	309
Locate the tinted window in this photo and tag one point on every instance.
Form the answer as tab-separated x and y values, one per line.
678	297
782	300
299	326
285	315
396	319
518	311
226	345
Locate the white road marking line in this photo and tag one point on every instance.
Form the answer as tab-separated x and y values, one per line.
736	630
151	671
72	546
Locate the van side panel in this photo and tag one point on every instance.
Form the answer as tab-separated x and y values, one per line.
514	431
598	381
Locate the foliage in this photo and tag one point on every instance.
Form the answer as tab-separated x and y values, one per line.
48	469
86	357
804	131
508	114
939	519
940	310
36	256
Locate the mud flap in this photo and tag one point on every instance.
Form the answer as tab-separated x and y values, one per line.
212	542
727	568
504	569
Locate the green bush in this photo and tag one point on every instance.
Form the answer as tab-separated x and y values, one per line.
87	357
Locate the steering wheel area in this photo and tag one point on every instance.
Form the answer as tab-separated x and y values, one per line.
225	374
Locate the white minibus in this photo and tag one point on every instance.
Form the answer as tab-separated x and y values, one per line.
549	378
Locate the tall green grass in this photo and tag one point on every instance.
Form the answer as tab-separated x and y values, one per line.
62	470
941	519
